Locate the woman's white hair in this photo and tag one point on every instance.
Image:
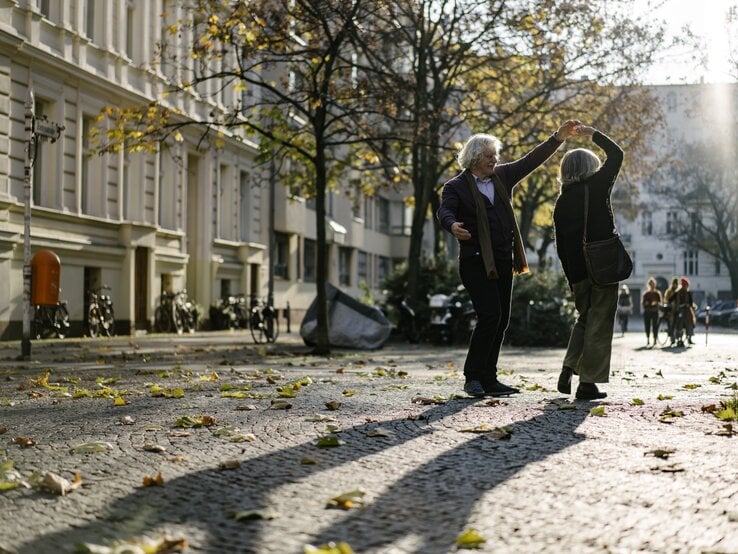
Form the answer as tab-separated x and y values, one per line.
474	148
578	164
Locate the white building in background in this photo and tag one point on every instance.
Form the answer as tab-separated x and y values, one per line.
189	216
693	114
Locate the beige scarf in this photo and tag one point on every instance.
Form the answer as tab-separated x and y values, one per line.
520	263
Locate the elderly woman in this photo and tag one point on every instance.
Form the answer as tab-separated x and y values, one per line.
476	209
590	342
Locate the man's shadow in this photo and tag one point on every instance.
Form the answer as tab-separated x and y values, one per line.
431	503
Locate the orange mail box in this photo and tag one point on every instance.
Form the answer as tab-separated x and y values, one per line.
45	272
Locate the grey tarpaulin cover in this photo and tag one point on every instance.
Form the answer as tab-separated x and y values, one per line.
351	324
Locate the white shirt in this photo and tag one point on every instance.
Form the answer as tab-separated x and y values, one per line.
486	187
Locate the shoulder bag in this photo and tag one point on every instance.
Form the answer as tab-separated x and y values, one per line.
607	260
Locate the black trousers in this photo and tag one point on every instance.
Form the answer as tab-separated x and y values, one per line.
491	299
651	321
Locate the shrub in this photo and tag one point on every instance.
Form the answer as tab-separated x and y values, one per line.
542	311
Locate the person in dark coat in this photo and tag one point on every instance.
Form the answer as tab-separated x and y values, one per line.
590	343
476	209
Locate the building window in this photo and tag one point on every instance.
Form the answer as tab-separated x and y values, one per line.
383	269
361	267
90	19
310	261
368	202
646	223
672	222
282	255
44	6
691	266
383	215
344	267
87	166
243	205
130	29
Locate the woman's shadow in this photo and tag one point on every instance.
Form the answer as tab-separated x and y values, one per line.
430	503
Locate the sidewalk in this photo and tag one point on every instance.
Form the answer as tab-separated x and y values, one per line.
536	472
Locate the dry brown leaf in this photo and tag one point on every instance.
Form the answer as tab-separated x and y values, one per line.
24	442
57	484
157	481
229	464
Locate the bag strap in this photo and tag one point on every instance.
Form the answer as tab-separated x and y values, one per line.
586	211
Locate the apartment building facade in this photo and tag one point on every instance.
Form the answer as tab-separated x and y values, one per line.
189	216
694	114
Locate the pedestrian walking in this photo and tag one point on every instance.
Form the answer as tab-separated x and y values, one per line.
625	308
590	343
476	208
650	304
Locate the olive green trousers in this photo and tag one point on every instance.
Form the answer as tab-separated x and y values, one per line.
590	343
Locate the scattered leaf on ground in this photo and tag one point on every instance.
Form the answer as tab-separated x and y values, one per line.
159	449
91	447
347	500
57	484
328	441
229	464
195	421
380	432
329	548
333	405
308	461
598	411
664	397
249	515
280	405
663	453
156	481
691	386
637	402
24	442
470	539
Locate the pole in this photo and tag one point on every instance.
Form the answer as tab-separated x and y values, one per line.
272	238
30	146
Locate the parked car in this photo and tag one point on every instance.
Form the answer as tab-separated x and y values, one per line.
727	310
733	320
721	310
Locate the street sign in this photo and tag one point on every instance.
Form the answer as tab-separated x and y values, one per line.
46	129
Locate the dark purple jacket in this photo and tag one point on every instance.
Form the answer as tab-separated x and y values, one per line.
457	201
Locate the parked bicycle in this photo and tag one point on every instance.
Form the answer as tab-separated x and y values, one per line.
100	313
263	322
175	313
230	312
51	320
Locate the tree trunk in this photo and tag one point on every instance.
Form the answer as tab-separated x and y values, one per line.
322	345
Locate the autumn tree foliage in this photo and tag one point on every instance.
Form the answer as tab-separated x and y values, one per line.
515	69
388	89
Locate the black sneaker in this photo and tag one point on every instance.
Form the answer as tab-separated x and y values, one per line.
495	388
589	391
564	384
474	388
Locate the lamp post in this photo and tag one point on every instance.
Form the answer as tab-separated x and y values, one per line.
37	130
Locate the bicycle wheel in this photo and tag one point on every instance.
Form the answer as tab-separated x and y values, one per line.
257	327
271	325
162	320
61	321
108	321
177	321
93	321
679	331
39	322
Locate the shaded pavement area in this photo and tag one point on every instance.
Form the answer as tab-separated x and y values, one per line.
535	472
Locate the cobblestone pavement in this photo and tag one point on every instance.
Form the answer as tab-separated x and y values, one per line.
562	480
